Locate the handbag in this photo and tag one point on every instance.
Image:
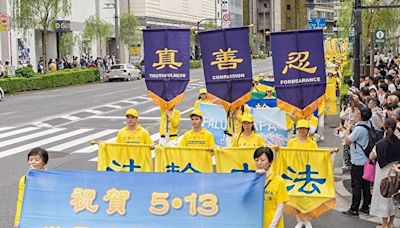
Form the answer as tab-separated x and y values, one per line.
369	171
390	185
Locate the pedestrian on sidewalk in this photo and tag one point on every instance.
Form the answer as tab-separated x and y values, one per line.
357	137
386	155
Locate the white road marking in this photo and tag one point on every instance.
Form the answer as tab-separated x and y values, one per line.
16	132
72	118
151	110
30	136
40	143
41	124
6	128
97	112
92	148
76	142
113	106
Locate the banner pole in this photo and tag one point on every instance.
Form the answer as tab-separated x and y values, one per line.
166	127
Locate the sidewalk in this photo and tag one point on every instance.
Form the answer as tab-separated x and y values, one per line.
343	180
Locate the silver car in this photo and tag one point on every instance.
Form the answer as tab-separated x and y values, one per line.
125	72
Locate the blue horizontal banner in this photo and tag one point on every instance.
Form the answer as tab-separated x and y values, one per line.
118	199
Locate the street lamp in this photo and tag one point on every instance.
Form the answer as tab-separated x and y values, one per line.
116	21
267	34
265	38
197	46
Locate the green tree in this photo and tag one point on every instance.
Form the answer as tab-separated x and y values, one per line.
96	28
130	33
372	19
33	14
66	43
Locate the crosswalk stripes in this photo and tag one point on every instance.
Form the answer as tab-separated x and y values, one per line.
16	132
92	148
30	136
82	140
42	142
5	128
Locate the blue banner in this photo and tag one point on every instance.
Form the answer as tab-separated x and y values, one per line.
299	70
227	65
215	120
119	200
271	123
166	57
262	103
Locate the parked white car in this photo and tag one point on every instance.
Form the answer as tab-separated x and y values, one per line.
125	72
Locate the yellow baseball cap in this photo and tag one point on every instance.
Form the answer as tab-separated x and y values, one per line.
303	123
132	112
197	113
256	78
203	90
247	118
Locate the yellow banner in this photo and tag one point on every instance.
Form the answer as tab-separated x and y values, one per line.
308	174
124	158
235	160
330	97
183	160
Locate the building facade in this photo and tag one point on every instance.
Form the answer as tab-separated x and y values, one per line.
151	14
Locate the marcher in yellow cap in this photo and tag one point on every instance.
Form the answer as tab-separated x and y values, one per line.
170	117
247	136
133	132
203	98
257	86
268	93
198	136
302	141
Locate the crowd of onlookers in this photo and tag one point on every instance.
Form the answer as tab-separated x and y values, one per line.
373	108
53	65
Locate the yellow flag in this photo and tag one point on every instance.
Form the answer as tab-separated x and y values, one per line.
183	160
232	160
121	157
308	174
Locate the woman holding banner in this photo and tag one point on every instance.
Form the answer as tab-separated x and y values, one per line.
302	140
275	192
202	99
247	136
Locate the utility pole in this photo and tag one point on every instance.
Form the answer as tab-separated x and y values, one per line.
357	42
117	54
357	37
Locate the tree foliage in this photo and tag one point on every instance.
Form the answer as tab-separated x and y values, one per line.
96	28
130	33
66	43
39	14
372	19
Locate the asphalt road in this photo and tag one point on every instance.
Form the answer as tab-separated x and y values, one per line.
65	120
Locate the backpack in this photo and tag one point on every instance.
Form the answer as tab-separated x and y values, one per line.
373	137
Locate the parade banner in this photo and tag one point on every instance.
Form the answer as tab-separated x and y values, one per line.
227	65
183	160
166	57
299	70
120	157
262	103
308	174
126	200
235	160
215	120
271	124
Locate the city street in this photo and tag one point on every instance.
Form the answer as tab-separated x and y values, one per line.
65	120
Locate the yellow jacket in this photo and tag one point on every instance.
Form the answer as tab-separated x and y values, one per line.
199	101
21	189
173	123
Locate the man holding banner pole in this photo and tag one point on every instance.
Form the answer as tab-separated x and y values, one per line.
198	136
133	132
169	125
